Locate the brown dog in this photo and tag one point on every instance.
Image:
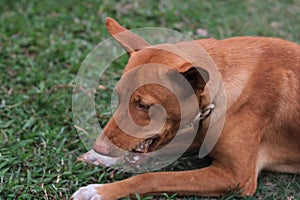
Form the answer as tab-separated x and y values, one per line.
261	79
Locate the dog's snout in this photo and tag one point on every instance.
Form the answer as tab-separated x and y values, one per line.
102	149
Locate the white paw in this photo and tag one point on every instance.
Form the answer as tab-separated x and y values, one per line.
87	193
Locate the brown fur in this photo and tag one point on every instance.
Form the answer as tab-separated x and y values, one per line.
262	128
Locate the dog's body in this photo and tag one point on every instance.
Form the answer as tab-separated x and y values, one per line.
261	78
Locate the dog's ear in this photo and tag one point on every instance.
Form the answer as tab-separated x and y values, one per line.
196	76
130	41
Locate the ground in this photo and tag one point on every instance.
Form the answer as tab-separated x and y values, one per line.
42	45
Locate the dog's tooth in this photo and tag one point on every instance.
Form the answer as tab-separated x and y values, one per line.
142	146
147	145
136	158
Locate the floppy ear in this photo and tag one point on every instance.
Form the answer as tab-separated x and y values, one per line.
196	76
130	41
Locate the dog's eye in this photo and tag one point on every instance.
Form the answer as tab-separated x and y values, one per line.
143	106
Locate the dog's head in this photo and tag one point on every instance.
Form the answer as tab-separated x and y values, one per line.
149	114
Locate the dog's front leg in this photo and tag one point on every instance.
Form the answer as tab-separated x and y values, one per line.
211	181
234	167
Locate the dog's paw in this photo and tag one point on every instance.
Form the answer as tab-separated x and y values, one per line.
87	193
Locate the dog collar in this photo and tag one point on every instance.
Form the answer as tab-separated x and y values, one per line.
203	113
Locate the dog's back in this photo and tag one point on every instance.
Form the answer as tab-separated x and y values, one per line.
263	74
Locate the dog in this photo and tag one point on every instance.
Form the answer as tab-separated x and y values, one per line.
261	130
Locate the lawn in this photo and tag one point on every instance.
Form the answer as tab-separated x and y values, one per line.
42	45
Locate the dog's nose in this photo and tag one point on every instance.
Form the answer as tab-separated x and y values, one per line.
102	148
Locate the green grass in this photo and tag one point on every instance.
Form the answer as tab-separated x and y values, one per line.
42	44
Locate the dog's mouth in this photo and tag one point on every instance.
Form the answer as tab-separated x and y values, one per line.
142	150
